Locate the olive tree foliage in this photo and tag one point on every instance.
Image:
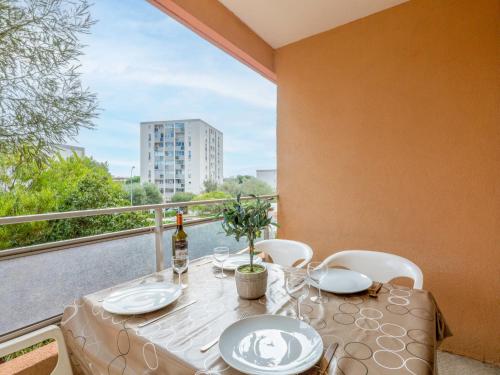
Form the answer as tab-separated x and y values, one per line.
245	185
246	220
209	186
42	100
145	193
209	210
182	197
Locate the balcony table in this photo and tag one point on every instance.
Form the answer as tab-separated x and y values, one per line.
396	333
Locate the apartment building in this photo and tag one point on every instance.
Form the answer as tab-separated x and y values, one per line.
180	155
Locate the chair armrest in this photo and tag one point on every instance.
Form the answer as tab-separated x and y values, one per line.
32	338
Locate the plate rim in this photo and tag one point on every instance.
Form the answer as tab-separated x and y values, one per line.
105	303
260	316
349	292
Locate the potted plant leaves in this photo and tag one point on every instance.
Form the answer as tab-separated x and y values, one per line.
248	219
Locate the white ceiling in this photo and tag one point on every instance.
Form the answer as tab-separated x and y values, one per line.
280	22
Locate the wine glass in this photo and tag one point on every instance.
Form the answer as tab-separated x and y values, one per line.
317	272
297	287
180	264
221	254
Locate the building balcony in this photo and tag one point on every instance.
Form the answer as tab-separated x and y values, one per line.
75	267
33	300
387	140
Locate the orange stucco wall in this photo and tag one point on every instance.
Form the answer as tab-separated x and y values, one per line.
389	139
41	361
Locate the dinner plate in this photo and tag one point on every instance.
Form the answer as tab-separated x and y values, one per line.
142	298
343	281
270	344
236	260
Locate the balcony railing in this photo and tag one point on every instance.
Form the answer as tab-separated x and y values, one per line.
128	246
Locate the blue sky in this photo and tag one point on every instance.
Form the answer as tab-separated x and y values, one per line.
145	66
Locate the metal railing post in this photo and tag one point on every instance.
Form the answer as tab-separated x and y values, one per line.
159	239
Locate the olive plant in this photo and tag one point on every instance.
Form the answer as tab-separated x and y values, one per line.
43	101
246	219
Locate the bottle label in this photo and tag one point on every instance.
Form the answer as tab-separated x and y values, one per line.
181	248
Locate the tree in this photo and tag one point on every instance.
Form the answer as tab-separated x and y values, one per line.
209	186
153	195
245	185
209	210
138	194
182	197
246	219
146	193
42	101
133	180
61	185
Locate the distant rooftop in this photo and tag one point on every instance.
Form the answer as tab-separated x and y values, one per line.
181	120
71	147
67	150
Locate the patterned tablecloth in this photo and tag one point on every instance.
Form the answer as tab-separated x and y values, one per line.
396	333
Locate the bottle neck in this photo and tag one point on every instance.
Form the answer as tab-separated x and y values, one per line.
179	220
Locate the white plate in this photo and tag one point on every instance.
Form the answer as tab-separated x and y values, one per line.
142	298
343	281
236	260
270	344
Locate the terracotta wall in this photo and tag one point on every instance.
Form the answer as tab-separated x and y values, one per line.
389	139
41	361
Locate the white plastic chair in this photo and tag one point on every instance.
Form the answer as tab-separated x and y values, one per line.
63	366
285	252
377	265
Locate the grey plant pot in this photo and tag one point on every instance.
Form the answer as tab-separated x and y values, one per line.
251	285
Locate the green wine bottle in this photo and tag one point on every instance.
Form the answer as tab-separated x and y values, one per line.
179	239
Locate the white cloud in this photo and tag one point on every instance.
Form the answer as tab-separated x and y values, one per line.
144	66
123	63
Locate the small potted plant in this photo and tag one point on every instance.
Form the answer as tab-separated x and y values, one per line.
248	219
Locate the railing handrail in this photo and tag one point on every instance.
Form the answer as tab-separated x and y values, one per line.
6	220
19	252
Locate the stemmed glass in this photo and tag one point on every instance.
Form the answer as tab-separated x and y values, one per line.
180	264
220	255
317	272
297	287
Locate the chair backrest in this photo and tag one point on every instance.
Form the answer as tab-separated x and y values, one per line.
63	366
286	252
377	265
